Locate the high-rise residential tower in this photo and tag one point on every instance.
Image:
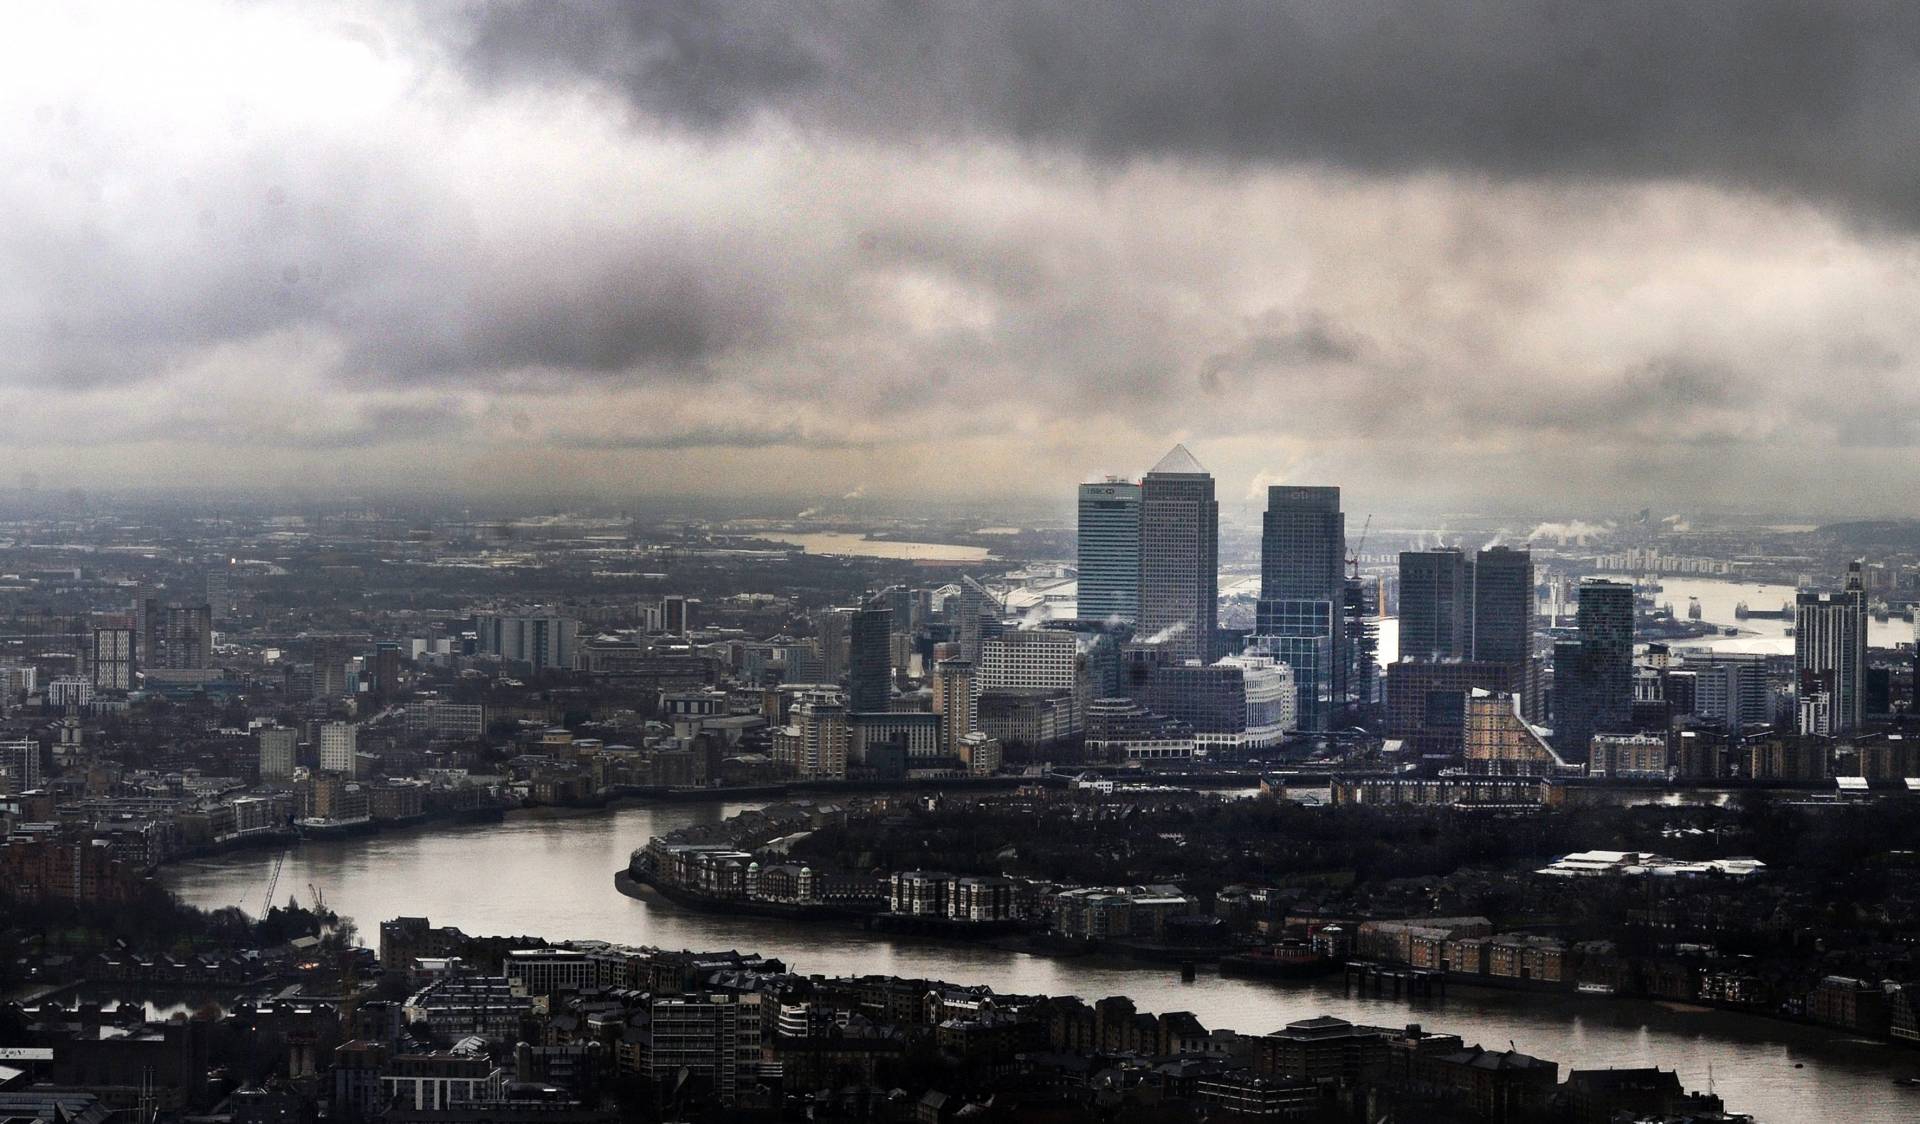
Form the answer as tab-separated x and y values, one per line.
1179	556
339	742
544	642
189	637
1593	678
955	700
869	660
110	659
277	749
1830	657
1110	550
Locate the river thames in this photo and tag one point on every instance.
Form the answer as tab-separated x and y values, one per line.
550	874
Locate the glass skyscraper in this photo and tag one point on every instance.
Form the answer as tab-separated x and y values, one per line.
1436	605
1179	557
869	660
1303	560
1110	551
1502	605
1303	544
1300	633
1593	677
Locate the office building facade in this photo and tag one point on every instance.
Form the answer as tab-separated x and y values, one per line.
1436	605
1179	556
1303	554
1301	634
1109	551
1502	605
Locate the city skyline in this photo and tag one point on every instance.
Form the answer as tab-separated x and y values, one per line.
584	561
1591	293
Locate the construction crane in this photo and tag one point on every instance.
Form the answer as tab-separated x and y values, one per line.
1353	559
273	883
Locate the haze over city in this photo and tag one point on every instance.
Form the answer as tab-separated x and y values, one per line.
1547	257
939	562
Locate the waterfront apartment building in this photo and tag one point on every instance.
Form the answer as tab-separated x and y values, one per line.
540	641
1830	657
1499	742
549	971
339	742
980	753
1109	550
1642	757
1179	556
1029	717
277	746
916	731
814	745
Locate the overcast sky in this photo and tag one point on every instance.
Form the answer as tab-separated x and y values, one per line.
1447	255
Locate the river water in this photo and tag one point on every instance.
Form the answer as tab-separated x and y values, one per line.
1720	598
860	546
550	874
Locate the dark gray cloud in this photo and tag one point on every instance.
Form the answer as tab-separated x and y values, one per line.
1802	98
1423	250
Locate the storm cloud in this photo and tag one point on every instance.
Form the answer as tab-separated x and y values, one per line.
1442	254
1810	99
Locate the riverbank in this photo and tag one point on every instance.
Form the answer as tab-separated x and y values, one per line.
1004	936
545	873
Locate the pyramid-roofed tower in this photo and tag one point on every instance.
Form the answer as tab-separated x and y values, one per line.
1178	462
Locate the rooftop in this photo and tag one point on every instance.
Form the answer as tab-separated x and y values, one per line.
1177	462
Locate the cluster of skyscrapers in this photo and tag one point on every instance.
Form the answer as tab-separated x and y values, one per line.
1149	558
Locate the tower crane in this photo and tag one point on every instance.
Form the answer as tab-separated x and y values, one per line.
1353	559
273	882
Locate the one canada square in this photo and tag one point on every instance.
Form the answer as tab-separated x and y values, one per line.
1179	556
